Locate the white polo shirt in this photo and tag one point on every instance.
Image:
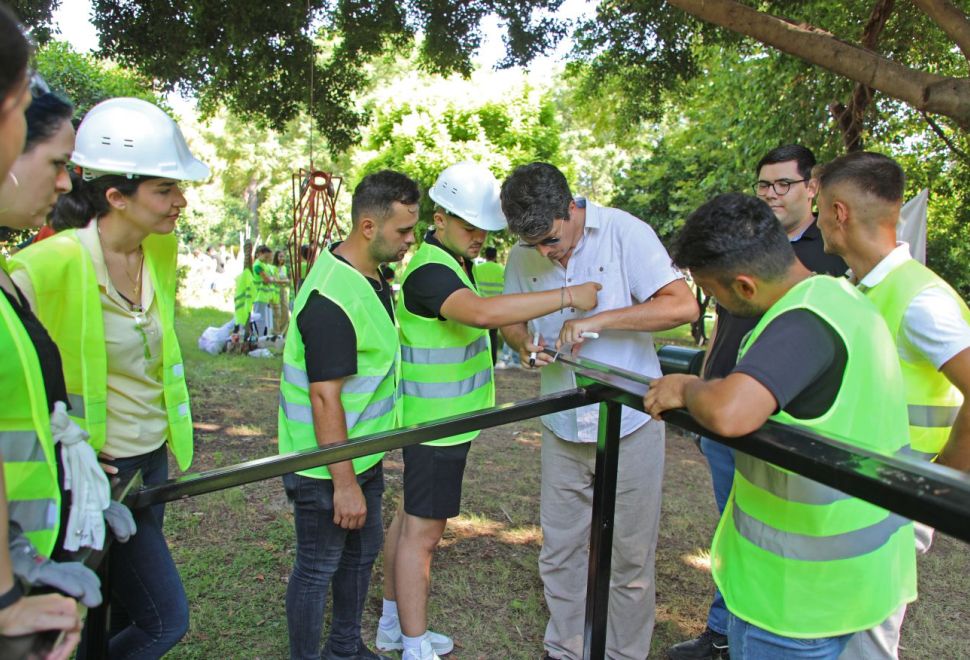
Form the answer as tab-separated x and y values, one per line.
622	253
933	328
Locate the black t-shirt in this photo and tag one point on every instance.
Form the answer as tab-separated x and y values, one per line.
426	289
800	359
329	339
723	352
48	356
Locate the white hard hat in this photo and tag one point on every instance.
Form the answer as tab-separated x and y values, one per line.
134	138
471	192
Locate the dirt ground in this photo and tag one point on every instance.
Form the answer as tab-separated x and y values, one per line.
235	547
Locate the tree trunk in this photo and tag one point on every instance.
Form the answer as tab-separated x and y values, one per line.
851	119
924	91
251	197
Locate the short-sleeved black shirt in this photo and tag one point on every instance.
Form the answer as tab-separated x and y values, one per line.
800	359
723	352
329	339
426	289
51	368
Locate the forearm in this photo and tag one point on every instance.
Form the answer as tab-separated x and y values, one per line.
499	311
330	428
956	452
653	315
515	335
716	406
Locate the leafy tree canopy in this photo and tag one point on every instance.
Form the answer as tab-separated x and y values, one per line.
86	80
254	57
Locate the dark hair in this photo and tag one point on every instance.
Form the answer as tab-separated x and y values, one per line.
872	173
262	249
803	157
92	193
14	53
279	258
71	209
534	196
377	192
491	252
732	234
45	116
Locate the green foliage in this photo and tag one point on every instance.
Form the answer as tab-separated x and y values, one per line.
37	14
454	120
254	57
87	80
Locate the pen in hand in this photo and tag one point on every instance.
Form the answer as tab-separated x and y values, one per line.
532	355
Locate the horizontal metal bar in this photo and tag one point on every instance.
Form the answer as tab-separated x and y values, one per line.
192	484
932	494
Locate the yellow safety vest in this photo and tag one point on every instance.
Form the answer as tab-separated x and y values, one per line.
804	560
245	289
371	398
490	278
69	305
29	459
446	365
933	401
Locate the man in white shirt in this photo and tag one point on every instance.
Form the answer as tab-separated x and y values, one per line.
565	241
859	198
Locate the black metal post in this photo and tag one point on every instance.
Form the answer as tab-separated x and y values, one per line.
601	531
97	620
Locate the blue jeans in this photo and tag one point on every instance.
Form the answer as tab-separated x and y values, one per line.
149	610
325	554
720	458
749	642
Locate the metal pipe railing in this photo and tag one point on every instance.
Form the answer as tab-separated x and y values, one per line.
922	491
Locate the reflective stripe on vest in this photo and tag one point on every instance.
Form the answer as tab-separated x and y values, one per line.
353	385
68	303
449	389
371	398
804	547
455	355
933	402
801	559
933	416
446	365
21	447
786	485
34	515
29	458
76	401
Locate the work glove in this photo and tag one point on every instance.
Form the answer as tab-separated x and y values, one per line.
84	477
120	520
72	578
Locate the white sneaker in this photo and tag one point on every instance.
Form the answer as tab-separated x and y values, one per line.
501	365
426	652
390	640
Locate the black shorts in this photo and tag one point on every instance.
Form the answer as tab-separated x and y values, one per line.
432	480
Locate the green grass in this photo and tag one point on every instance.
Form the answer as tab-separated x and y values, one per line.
235	548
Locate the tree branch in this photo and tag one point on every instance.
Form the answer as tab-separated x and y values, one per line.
946	139
951	20
924	91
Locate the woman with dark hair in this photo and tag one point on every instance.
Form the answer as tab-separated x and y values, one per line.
24	417
39	176
106	293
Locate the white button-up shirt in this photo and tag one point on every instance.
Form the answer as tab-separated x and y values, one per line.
623	254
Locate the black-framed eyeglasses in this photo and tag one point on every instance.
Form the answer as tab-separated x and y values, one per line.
548	241
781	186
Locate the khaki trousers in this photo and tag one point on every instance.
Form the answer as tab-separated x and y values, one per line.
565	515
